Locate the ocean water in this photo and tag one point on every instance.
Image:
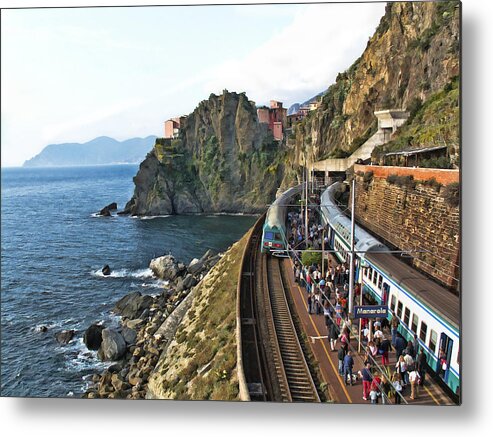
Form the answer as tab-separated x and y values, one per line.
53	249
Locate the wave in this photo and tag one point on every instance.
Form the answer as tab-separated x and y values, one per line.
125	273
152	217
97	215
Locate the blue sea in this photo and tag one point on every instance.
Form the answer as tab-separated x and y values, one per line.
53	249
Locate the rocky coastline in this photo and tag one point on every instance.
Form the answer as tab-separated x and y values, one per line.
147	326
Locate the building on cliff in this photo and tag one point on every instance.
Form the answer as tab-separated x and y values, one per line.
275	117
172	127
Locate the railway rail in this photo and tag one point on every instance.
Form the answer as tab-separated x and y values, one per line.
274	366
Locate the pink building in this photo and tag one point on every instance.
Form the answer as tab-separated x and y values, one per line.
277	131
172	127
275	117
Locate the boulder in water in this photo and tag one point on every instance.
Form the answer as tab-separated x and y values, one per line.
113	346
106	270
112	206
43	328
93	337
165	267
105	212
64	337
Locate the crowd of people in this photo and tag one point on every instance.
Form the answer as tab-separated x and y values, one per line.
327	295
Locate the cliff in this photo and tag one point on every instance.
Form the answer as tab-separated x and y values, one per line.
412	56
223	161
200	362
99	151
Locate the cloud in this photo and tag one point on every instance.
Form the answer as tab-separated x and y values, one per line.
304	57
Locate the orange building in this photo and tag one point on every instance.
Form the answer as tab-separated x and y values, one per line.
172	127
275	117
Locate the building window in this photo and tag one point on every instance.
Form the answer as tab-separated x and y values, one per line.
392	303
399	309
422	333
407	314
433	341
414	324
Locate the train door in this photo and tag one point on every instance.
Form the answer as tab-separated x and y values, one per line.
385	293
331	238
445	356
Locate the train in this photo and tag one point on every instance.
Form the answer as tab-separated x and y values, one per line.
423	307
274	237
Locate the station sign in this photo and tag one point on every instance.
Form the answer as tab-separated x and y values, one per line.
370	311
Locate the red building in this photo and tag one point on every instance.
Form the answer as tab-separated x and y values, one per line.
275	117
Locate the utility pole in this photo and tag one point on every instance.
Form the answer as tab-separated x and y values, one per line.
351	266
306	208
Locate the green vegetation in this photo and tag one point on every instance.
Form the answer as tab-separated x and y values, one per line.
432	123
308	258
451	194
202	362
401	181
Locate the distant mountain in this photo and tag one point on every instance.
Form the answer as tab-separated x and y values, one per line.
295	107
101	150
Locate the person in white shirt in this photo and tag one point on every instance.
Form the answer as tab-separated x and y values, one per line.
414	380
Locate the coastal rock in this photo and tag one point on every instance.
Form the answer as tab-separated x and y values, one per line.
106	270
93	337
105	212
189	281
113	346
165	267
132	305
43	329
135	323
64	337
130	335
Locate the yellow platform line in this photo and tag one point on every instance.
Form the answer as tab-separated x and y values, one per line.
325	349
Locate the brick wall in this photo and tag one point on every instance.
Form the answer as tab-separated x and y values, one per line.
416	218
445	177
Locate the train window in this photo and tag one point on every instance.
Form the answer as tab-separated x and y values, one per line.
374	279
414	324
422	333
380	281
433	341
407	314
392	302
369	271
399	309
269	235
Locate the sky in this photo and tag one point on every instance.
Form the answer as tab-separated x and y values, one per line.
73	74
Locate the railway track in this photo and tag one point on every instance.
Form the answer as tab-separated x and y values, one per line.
273	362
295	380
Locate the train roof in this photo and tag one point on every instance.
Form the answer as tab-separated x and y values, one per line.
276	214
363	241
443	301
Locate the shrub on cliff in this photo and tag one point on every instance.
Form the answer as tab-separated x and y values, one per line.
451	194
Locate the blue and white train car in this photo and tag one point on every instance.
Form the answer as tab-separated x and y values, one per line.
274	229
423	307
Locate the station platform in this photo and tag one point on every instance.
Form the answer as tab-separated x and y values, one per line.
314	326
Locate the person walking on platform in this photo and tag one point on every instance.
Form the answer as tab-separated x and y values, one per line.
341	355
384	351
421	366
397	388
394	324
401	367
348	368
310	302
333	335
366	378
399	345
414	378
